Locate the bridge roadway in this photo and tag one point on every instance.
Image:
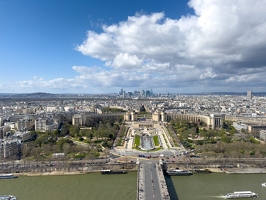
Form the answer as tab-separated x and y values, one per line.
151	182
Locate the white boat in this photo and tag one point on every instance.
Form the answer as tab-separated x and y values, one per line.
241	194
7	176
7	197
202	170
264	184
178	172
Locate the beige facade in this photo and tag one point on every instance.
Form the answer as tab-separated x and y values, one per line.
255	129
78	119
81	119
216	121
130	116
159	116
246	120
22	125
40	124
211	121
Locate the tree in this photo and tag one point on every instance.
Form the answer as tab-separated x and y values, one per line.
55	133
65	130
225	138
66	147
74	130
197	129
193	132
221	132
244	131
252	140
111	136
40	140
209	134
34	135
26	151
91	136
62	141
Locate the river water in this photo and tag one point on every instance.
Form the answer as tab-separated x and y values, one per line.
95	186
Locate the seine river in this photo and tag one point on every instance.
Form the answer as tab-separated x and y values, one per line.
96	186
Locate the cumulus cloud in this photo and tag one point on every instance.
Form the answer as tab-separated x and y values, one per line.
222	44
124	60
223	41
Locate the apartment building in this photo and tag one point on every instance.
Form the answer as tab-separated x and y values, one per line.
9	148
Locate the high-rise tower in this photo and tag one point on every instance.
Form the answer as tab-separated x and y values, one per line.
249	95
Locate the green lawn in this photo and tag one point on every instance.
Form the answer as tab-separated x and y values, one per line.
156	141
137	141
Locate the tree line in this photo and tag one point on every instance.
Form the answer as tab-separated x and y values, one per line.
224	142
73	140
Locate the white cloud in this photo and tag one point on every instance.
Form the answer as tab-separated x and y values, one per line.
124	60
100	46
224	37
222	44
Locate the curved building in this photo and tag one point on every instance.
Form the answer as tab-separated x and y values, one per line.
212	120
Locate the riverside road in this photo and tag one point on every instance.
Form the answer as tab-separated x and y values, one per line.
128	162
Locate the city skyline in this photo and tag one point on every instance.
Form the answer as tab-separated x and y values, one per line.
100	47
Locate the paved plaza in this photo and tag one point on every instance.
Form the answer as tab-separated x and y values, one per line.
167	149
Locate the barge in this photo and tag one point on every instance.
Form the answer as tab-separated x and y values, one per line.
178	172
109	171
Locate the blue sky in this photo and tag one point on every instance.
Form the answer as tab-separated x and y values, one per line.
67	46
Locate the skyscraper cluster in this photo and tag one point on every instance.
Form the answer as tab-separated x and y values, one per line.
136	93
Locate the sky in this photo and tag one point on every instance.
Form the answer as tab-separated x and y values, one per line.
96	47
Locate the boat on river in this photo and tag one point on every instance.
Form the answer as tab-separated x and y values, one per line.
178	172
202	170
109	171
241	194
264	184
7	176
7	197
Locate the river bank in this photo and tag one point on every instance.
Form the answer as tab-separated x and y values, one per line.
250	170
62	172
53	173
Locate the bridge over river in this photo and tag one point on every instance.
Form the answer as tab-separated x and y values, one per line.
151	182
